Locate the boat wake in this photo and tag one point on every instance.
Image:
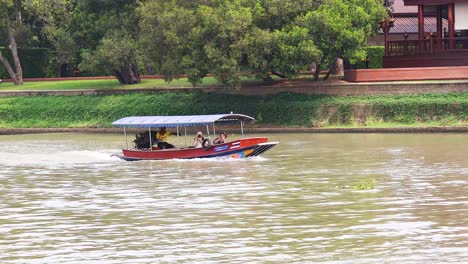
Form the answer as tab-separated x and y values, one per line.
222	159
57	158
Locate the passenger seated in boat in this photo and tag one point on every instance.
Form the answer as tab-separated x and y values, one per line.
221	139
163	134
142	139
161	138
198	140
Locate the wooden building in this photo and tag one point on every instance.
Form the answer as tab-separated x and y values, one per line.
441	38
405	23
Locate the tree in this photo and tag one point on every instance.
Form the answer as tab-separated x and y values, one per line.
52	19
96	36
107	31
294	51
340	29
9	8
166	35
225	38
116	54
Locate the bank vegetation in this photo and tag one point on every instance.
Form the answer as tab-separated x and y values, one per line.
281	110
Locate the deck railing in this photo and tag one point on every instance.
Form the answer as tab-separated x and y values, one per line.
426	46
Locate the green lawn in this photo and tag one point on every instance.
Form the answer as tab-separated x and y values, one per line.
92	85
110	84
61	85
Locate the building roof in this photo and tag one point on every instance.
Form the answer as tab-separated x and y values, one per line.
410	25
400	8
406	19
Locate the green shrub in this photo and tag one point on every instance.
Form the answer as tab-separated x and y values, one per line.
374	59
375	56
34	62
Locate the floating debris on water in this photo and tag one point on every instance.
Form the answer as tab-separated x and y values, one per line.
363	185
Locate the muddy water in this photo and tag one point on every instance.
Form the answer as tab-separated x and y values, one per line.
64	199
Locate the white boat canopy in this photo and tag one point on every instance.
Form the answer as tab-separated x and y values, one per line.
177	121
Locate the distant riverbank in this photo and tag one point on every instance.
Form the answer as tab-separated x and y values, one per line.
280	111
250	130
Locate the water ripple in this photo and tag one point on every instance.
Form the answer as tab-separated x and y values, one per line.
84	206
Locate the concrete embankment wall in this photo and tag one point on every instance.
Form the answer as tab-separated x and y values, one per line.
338	88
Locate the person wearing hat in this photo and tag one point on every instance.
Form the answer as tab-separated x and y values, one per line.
221	139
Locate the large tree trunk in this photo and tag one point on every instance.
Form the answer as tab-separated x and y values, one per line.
149	69
17	75
335	68
63	70
327	75
331	69
128	74
136	73
14	53
318	68
10	71
279	74
339	70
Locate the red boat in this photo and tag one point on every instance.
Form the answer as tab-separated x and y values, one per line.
240	148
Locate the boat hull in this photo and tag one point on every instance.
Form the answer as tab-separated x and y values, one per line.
236	149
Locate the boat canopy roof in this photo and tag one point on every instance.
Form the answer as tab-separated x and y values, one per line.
177	121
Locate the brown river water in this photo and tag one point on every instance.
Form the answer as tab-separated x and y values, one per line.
64	199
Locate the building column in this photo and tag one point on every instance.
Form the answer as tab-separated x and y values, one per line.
421	21
421	26
439	28
439	22
451	25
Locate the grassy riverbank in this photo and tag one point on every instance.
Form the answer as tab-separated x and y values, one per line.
287	110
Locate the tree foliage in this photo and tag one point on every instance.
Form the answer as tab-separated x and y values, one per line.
117	55
253	37
76	27
340	28
52	19
107	31
225	38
